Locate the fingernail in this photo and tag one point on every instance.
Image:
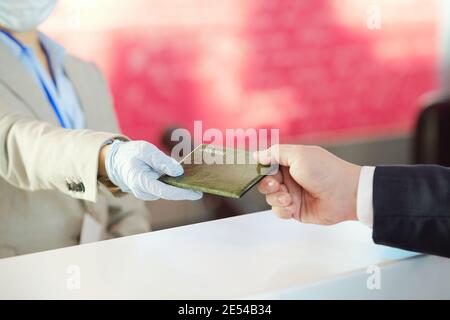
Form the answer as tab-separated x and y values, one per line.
288	209
283	199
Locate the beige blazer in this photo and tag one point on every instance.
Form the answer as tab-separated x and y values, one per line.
38	210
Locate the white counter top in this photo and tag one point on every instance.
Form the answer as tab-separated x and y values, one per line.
256	255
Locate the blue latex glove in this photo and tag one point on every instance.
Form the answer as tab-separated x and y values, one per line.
135	166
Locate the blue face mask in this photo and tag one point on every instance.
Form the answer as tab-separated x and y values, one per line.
24	15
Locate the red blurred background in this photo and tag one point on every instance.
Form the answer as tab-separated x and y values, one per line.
311	68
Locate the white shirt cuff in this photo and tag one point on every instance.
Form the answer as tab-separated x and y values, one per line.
364	205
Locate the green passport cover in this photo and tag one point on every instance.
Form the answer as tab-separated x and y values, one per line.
223	179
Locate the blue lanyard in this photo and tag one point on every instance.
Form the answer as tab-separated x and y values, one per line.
49	96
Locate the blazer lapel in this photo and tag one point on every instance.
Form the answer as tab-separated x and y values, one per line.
15	76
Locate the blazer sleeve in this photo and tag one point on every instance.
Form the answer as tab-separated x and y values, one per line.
36	155
412	208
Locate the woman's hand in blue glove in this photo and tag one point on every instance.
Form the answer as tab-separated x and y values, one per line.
135	167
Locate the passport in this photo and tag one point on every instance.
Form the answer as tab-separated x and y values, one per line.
231	175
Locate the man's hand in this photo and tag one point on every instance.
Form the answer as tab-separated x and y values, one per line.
312	185
135	167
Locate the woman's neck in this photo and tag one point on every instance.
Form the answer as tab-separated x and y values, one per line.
29	38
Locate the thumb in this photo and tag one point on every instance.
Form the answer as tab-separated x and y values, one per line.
164	164
283	154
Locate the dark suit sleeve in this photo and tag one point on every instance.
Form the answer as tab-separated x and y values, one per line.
412	208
